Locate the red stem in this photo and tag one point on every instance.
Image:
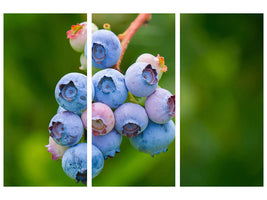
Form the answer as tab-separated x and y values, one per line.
125	37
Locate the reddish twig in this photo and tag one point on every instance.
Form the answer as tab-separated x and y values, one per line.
129	33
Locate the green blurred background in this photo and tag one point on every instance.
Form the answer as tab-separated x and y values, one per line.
131	167
37	54
221	91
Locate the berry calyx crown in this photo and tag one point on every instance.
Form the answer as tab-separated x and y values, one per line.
74	31
162	65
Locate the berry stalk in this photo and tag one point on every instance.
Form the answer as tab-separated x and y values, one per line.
125	37
131	98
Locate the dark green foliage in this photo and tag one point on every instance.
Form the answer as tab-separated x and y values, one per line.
221	99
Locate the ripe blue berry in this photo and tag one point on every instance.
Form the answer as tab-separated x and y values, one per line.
106	49
155	138
157	62
60	109
141	79
110	87
160	106
66	128
108	144
71	92
130	119
74	162
93	92
97	161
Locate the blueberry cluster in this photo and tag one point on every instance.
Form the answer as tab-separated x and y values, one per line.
117	107
69	125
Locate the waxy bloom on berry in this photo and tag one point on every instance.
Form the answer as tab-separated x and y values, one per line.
141	79
110	88
160	106
108	144
155	138
71	92
106	49
66	128
74	162
97	161
130	119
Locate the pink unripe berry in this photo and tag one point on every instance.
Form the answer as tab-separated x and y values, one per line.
56	149
102	119
84	118
78	36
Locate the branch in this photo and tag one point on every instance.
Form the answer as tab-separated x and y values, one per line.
129	33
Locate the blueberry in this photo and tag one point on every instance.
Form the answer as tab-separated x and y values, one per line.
71	92
155	138
110	87
60	109
74	162
108	144
97	161
106	49
66	128
93	92
130	119
102	119
141	79
160	106
157	62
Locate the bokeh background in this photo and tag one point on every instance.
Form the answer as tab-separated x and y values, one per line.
37	54
131	167
221	116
